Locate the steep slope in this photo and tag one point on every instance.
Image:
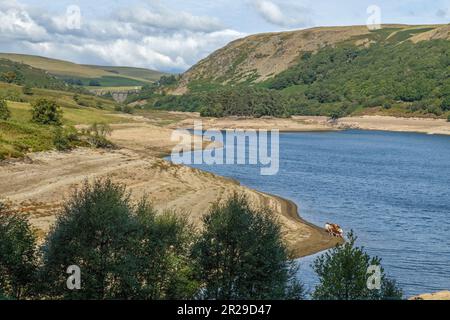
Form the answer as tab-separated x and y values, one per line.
259	57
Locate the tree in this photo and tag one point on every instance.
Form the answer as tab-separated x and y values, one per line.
9	76
46	112
164	269
94	83
343	275
27	90
240	254
18	261
445	105
95	232
5	114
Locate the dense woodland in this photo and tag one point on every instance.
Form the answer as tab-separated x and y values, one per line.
404	77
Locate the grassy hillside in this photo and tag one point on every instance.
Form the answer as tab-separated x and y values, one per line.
18	135
260	57
104	76
22	74
134	73
397	70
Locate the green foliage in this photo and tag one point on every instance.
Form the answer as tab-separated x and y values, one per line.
97	134
65	139
445	105
448	118
46	112
5	114
241	101
342	273
18	261
94	83
345	77
22	74
164	269
27	90
123	251
93	232
240	255
167	80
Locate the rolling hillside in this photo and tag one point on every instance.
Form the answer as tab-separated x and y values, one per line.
84	74
262	56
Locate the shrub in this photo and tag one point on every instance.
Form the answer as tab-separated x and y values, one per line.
94	232
124	251
343	275
96	135
46	112
445	105
5	114
448	118
240	255
164	269
63	139
18	261
27	90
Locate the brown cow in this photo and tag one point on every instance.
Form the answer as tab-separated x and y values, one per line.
334	229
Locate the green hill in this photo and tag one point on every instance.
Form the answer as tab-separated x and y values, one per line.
396	70
85	74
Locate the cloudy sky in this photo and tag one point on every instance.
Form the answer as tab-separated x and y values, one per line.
172	35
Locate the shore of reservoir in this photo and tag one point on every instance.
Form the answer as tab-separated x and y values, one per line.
52	176
321	123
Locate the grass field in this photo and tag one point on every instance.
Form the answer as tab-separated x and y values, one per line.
18	135
107	76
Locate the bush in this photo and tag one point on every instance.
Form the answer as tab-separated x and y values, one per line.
96	135
343	275
5	114
123	251
94	232
240	255
63	139
46	112
164	269
448	118
27	90
18	261
445	105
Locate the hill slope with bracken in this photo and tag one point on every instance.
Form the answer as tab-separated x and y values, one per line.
260	57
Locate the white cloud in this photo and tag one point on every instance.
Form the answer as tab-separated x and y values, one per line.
288	16
151	37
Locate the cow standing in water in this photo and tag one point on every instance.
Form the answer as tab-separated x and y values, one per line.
334	229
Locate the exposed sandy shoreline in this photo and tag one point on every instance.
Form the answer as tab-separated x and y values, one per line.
39	185
320	123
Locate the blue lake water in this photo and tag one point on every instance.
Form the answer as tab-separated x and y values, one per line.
392	189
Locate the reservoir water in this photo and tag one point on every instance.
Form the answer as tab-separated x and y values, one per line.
392	189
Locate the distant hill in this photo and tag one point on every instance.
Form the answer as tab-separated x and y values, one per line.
259	57
135	73
23	74
397	70
87	74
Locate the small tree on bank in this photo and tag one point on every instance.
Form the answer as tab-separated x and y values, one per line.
46	112
123	251
343	275
5	114
18	259
240	255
